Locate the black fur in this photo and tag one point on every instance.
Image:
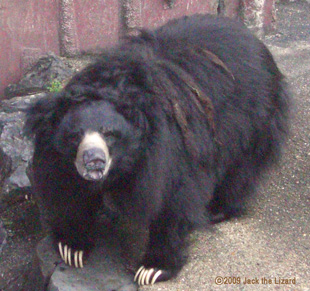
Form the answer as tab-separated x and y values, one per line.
201	110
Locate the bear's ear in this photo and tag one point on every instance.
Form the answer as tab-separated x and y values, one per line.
139	76
43	116
135	116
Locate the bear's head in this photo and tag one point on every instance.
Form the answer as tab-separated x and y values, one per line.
102	122
93	137
99	139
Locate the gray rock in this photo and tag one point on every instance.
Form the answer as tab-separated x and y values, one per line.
40	78
16	149
5	166
3	236
103	271
17	104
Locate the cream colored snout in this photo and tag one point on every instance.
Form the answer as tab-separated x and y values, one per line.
98	168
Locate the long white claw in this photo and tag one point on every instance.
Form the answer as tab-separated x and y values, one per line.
69	257
145	275
76	264
66	254
137	273
81	259
141	277
157	274
147	279
60	250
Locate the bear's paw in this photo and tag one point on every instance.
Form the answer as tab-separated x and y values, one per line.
70	257
150	276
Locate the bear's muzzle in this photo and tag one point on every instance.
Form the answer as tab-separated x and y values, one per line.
93	159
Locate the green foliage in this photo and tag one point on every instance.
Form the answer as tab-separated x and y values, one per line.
55	86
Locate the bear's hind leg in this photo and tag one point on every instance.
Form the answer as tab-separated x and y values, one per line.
230	195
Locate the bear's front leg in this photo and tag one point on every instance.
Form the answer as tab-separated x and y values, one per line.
74	237
164	257
73	223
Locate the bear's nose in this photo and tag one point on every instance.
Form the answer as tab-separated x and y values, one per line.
94	159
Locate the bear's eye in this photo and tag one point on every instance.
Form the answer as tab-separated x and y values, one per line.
108	132
73	136
115	133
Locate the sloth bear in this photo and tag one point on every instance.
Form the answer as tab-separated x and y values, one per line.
175	125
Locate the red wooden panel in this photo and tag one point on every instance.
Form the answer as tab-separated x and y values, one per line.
269	15
231	8
157	12
97	23
7	67
259	14
28	29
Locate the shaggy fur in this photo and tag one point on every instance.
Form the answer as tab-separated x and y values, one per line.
195	111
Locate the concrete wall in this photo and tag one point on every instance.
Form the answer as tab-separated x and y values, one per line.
30	28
